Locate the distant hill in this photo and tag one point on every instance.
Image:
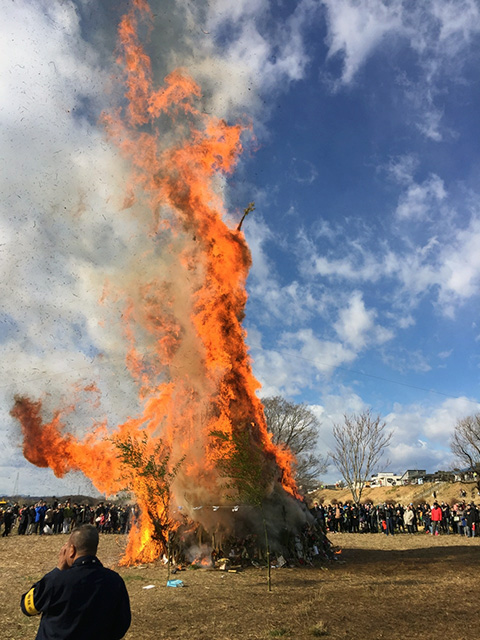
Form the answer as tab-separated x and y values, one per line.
74	499
415	493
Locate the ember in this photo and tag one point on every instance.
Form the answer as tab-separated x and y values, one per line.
182	320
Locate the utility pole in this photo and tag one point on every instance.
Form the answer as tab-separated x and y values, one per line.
15	486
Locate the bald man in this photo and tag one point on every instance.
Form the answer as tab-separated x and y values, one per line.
80	599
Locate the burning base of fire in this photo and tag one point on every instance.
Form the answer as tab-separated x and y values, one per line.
243	537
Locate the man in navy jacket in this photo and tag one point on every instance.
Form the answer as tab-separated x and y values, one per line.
80	598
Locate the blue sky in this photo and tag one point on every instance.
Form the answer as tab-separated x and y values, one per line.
364	290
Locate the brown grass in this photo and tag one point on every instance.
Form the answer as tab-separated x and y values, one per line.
417	493
383	587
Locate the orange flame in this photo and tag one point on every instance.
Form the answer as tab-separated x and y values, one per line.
197	377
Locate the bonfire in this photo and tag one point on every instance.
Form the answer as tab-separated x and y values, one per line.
187	350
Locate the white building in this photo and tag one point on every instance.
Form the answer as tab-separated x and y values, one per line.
385	479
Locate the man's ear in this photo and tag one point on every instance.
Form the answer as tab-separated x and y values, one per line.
71	551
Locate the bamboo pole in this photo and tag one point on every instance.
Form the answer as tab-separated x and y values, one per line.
269	568
168	557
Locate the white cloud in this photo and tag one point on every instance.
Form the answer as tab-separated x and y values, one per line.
420	200
431	423
459	276
258	234
439	32
355	322
459	22
451	268
259	58
331	411
445	354
444	268
405	456
404	322
323	356
299	361
235	12
355	29
402	168
336	405
347	267
279	371
357	262
405	360
430	121
439	426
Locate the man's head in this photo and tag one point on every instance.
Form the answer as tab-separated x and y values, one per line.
83	541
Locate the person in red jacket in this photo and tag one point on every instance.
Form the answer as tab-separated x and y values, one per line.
436	517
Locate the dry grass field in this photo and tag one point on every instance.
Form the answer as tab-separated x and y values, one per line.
382	587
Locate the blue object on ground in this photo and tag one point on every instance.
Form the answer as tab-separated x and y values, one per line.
175	583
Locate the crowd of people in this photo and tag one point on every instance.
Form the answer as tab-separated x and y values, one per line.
304	545
437	518
62	517
461	518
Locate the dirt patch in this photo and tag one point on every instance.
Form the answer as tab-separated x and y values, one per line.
382	587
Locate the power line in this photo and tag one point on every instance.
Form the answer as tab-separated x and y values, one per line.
360	373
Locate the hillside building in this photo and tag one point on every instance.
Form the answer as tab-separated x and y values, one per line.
412	476
385	479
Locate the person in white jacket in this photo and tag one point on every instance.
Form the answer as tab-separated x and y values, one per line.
408	517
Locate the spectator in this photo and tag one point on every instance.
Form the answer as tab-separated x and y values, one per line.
79	598
469	515
436	516
408	517
389	519
40	510
8	520
31	519
67	517
23	521
48	527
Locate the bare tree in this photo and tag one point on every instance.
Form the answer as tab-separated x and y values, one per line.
465	443
295	427
359	445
